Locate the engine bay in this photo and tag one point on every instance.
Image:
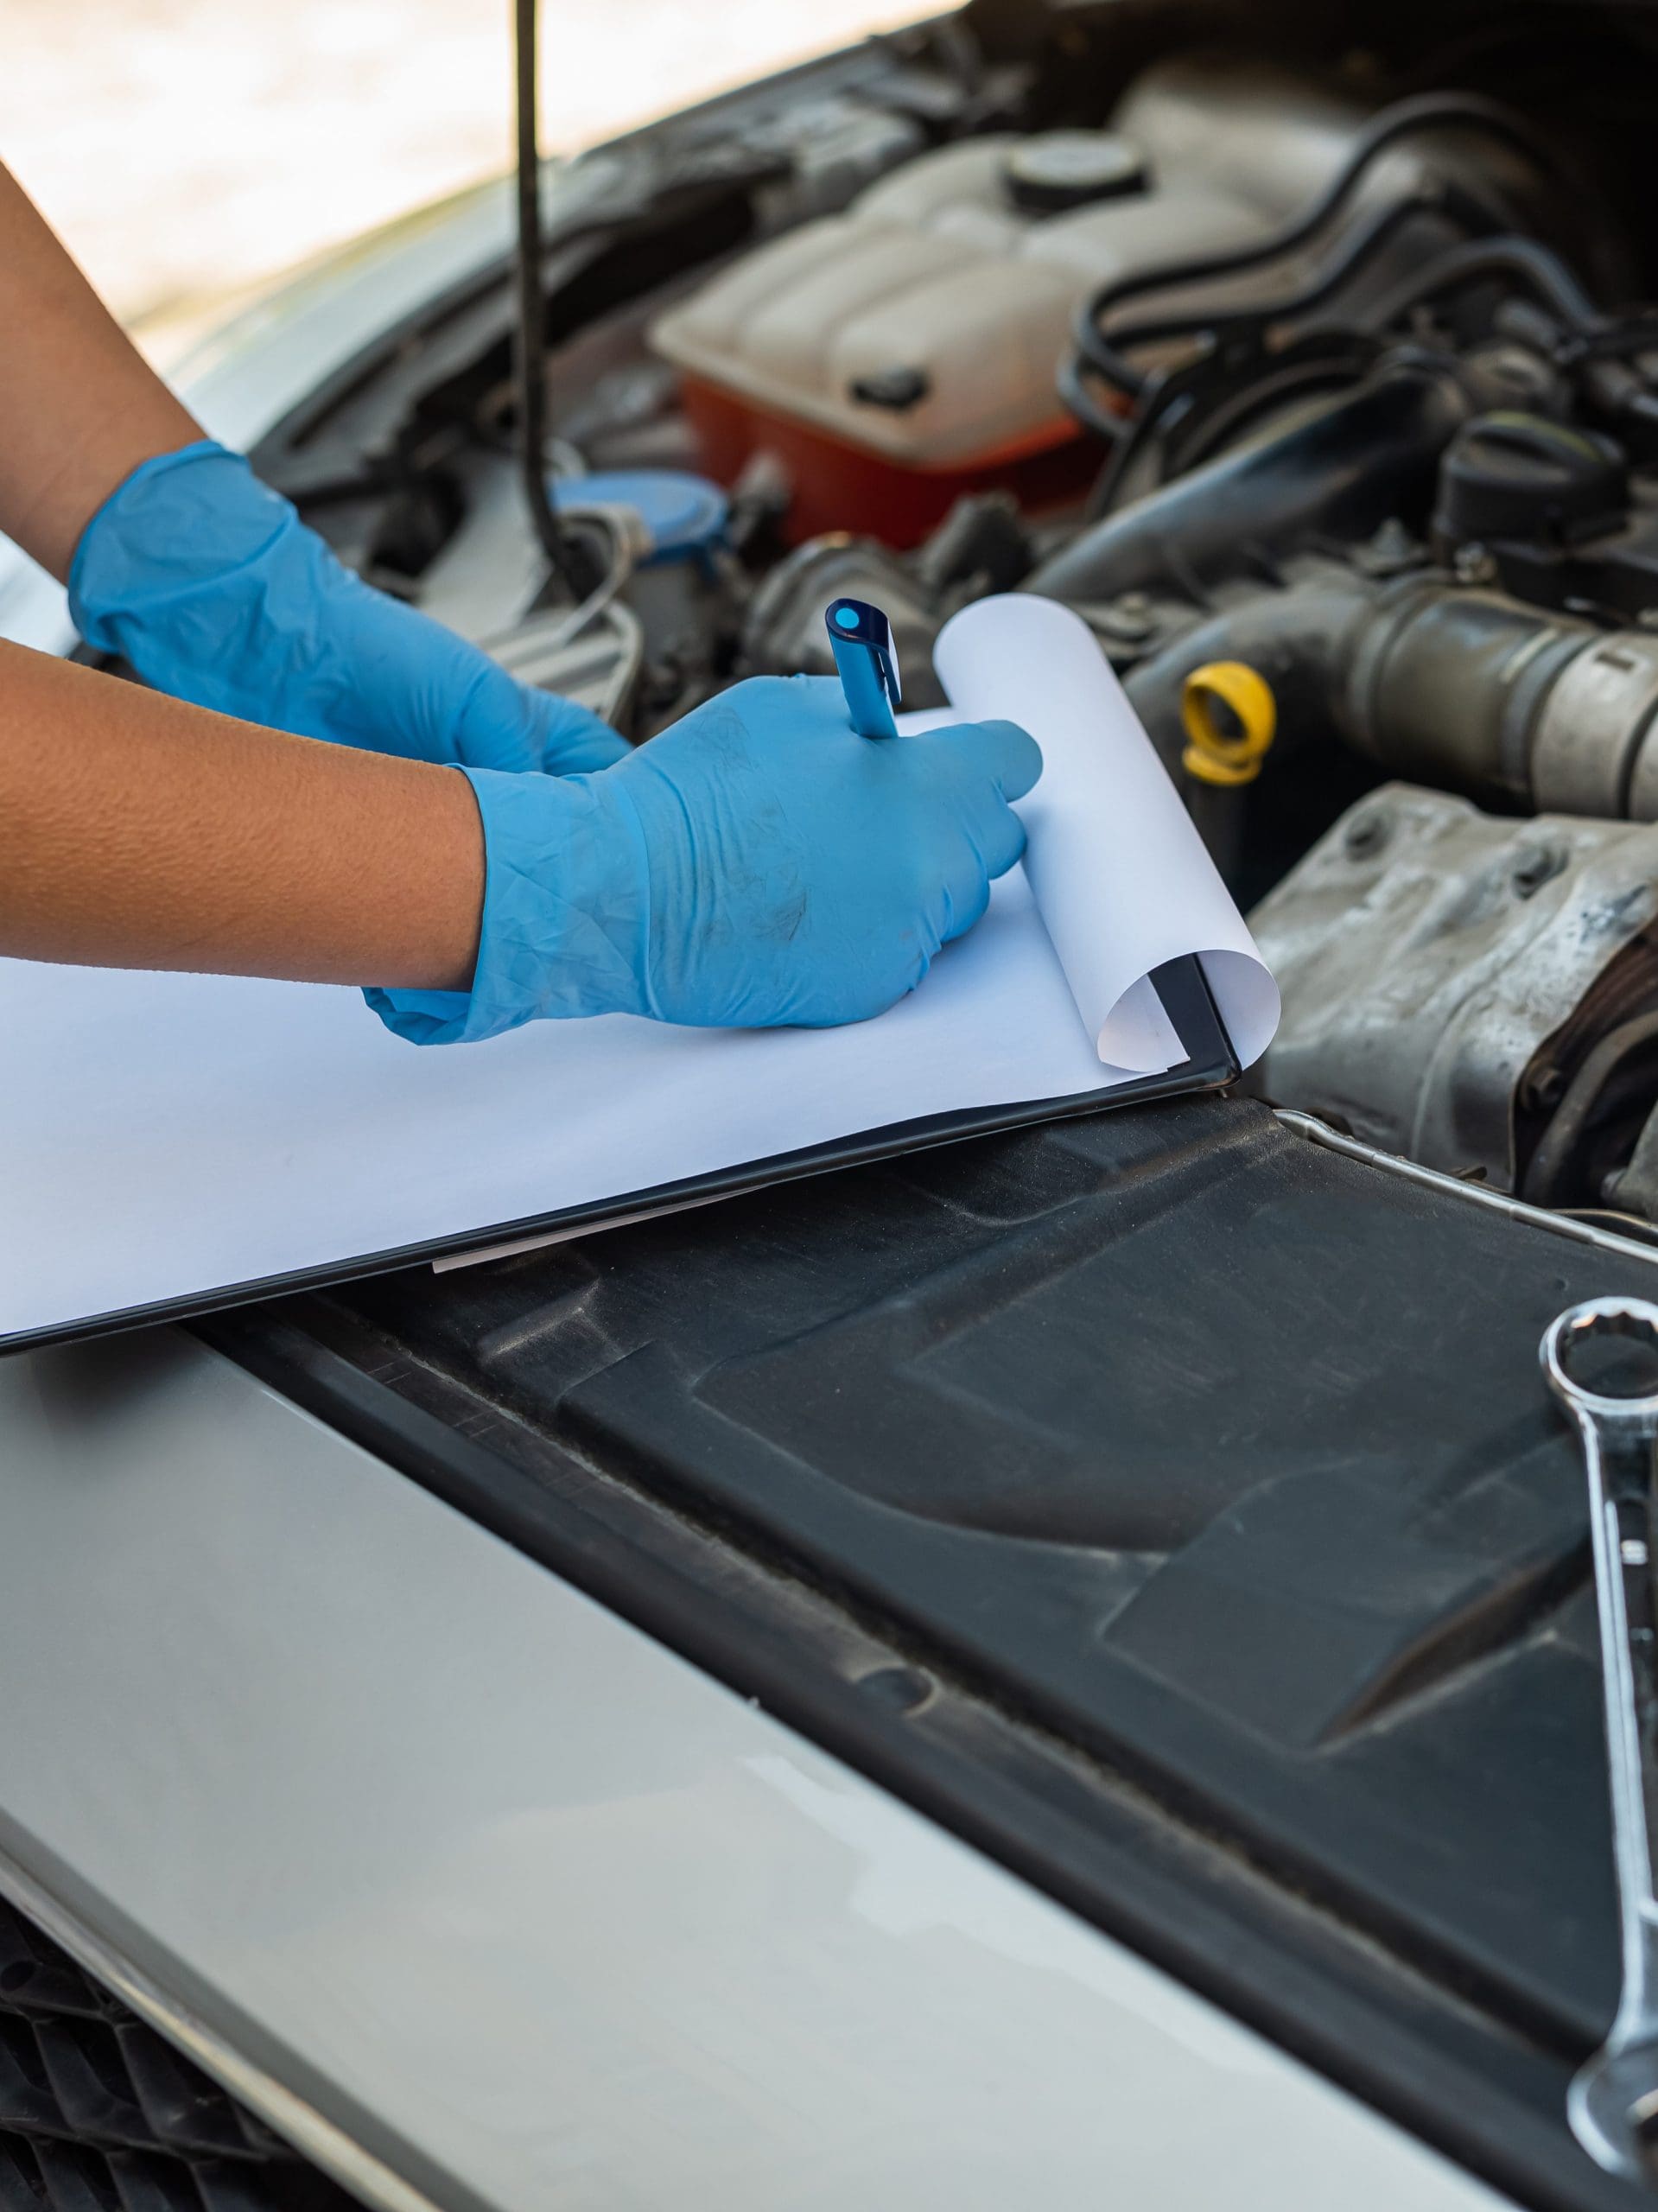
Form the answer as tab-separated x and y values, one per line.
1318	385
1119	1491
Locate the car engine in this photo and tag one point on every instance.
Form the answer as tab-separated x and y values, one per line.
1164	1504
1320	386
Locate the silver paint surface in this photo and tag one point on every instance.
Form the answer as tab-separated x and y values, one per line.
530	1907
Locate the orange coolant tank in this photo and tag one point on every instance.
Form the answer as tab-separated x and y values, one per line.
835	484
904	352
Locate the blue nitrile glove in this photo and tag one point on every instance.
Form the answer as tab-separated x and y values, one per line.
216	591
756	864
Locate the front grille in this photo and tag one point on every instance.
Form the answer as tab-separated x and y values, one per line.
99	2114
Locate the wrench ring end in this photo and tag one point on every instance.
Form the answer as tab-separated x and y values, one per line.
1635	1320
1612	2107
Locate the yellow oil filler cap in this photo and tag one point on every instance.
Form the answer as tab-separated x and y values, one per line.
1215	756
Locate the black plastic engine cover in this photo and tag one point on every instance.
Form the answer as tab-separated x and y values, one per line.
1197	1437
1217	1456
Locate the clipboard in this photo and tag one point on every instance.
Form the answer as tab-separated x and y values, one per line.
1211	1063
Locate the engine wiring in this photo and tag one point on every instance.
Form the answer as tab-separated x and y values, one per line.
1405	118
1231	342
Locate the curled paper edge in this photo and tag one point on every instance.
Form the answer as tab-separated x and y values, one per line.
1120	876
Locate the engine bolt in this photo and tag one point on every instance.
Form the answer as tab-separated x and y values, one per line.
1534	868
1368	835
1392	548
1472	564
1130	616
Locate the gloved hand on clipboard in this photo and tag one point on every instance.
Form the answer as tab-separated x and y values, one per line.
757	864
211	587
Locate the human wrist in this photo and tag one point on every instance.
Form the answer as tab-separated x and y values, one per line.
565	912
212	587
139	513
207	582
451	924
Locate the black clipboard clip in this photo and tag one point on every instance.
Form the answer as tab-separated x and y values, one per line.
1183	989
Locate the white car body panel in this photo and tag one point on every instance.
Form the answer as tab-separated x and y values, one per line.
529	1906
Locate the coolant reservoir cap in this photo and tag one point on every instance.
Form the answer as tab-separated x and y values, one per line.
1511	476
1057	170
682	512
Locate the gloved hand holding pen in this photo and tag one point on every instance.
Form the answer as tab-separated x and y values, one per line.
477	852
758	863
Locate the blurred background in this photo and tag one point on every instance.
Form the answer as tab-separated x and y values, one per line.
188	149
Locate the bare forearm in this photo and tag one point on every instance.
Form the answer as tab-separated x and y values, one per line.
81	407
138	832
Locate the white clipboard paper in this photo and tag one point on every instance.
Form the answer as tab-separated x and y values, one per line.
170	1143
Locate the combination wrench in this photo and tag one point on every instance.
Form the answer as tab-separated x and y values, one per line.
1612	2104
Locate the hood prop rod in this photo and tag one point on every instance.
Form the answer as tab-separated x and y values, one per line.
565	551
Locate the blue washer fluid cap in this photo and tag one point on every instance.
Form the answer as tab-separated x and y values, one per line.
683	513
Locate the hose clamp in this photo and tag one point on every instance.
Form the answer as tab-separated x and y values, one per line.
1592	726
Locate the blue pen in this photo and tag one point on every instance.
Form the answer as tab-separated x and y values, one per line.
860	638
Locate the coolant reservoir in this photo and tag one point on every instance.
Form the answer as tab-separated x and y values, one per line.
902	353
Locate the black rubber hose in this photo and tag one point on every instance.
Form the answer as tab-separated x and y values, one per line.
568	556
1543	273
1124	432
1430	111
1369	456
